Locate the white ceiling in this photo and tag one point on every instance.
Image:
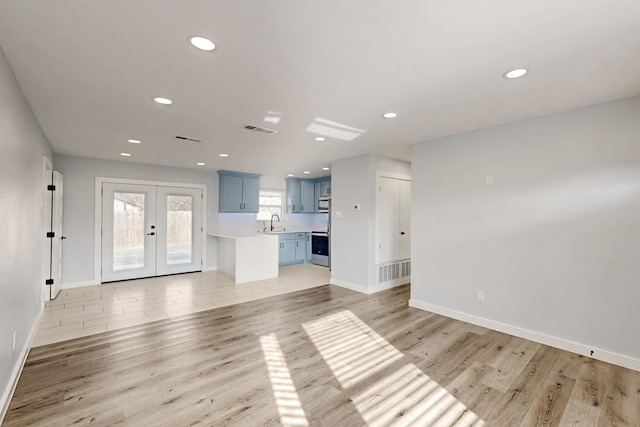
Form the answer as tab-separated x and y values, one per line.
91	68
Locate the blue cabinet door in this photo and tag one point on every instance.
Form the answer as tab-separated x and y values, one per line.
293	196
287	251
251	195
326	188
301	247
307	197
230	193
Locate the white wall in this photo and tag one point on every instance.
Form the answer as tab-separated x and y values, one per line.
22	147
79	212
353	235
554	243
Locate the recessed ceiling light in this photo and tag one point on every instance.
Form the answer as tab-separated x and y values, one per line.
134	141
164	101
223	155
307	172
125	154
390	115
202	43
200	164
319	138
514	74
325	169
291	174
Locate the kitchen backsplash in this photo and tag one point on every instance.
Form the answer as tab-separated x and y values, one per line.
245	224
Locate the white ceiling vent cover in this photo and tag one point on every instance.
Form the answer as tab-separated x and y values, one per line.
186	138
260	129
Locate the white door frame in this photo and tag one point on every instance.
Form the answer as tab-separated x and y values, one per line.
46	221
97	277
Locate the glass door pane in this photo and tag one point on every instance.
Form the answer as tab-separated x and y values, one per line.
180	233
128	230
179	229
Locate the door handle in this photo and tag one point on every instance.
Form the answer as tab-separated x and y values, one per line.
63	237
402	233
151	234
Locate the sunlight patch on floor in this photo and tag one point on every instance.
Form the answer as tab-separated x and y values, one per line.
407	397
284	391
350	347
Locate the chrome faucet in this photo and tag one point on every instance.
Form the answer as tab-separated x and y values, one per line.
276	215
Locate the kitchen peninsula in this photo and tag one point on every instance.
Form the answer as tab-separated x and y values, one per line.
248	258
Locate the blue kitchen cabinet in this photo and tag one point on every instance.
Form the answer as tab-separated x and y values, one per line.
238	192
293	195
326	187
307	196
303	194
301	247
287	254
292	248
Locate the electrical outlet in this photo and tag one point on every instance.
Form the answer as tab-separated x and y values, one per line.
14	339
488	180
480	296
338	214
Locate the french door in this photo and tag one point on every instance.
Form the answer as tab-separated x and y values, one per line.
150	230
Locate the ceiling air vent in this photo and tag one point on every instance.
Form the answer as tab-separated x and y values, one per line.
259	129
186	138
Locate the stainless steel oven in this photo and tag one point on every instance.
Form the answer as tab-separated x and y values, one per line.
320	248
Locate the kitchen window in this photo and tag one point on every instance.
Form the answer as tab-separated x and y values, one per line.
271	202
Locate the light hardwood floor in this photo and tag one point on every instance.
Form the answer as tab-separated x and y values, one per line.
90	310
323	356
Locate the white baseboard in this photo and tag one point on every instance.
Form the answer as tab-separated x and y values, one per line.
79	284
391	284
561	343
214	268
7	393
364	289
348	285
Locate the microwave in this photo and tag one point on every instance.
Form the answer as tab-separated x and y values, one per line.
324	204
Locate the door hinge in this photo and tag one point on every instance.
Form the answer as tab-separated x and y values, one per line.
51	187
51	234
48	282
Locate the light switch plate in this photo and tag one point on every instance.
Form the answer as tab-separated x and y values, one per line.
338	214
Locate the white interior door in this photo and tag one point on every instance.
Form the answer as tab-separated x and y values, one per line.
393	219
387	220
128	231
150	231
56	240
179	239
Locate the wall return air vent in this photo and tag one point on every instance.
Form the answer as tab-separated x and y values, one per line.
260	129
186	138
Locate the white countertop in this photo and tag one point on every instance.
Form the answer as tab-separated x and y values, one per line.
237	236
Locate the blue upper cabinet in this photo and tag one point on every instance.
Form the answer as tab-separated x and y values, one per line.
238	192
303	194
307	196
326	187
293	195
